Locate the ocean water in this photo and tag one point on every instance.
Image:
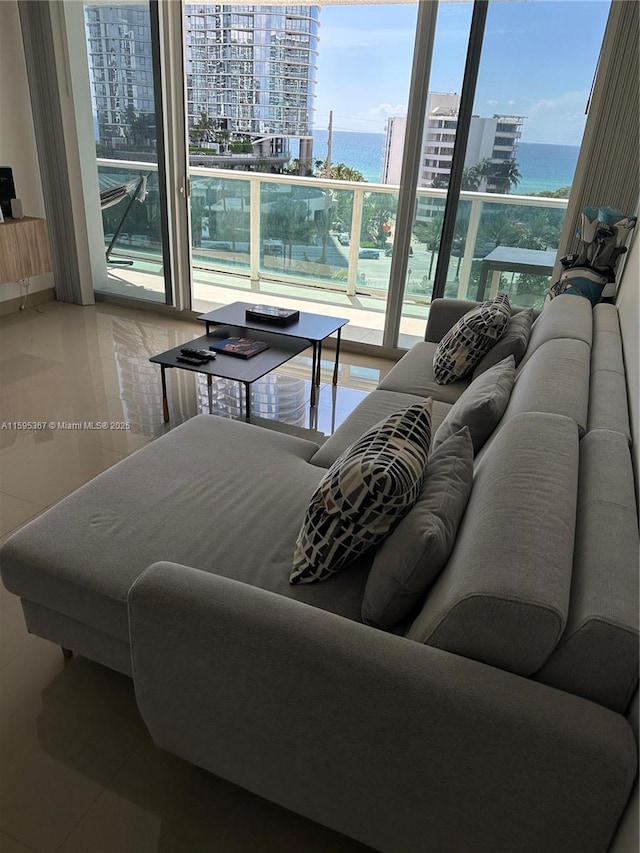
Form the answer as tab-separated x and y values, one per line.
543	167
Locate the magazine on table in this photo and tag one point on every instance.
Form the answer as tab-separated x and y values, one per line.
240	347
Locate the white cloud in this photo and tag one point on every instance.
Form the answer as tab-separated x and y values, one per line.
560	120
510	103
387	110
492	103
351	38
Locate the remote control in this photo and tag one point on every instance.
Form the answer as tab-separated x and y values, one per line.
187	359
197	353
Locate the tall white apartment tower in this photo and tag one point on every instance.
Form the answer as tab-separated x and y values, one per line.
251	70
494	139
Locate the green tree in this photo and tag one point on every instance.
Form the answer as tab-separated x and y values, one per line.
201	130
287	220
378	209
338	172
561	192
504	175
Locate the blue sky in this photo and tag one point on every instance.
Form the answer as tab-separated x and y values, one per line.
538	60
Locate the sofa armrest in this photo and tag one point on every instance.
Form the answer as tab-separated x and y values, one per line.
443	314
402	746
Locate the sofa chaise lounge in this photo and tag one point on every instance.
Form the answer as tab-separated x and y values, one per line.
497	717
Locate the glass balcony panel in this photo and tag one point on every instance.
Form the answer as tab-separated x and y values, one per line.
220	222
303	226
376	241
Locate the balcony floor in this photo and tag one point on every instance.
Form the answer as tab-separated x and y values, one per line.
365	311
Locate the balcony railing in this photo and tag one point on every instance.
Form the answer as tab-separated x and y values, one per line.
337	235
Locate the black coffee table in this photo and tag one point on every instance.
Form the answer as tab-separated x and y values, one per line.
312	328
246	371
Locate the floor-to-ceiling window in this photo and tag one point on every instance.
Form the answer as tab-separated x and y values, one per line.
295	124
121	42
537	65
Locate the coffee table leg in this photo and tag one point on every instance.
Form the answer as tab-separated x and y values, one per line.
165	403
314	368
335	368
247	395
209	392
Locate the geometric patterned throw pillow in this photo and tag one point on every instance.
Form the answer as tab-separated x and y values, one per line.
464	345
367	490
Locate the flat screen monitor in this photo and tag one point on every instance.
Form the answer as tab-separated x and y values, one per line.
7	190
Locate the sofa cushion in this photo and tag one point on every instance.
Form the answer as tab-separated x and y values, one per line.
555	379
412	557
562	317
364	494
375	407
514	342
470	338
481	406
216	494
503	597
597	657
608	402
413	374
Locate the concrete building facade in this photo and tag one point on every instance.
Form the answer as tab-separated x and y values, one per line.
494	139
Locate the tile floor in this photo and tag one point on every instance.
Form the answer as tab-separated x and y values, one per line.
79	771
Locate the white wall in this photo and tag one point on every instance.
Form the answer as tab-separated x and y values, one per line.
17	138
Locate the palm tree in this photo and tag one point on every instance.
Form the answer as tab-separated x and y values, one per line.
377	211
504	175
429	233
202	129
338	172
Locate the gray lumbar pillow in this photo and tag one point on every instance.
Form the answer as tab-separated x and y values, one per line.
480	406
409	561
514	342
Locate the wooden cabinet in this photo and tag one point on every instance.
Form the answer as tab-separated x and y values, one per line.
24	249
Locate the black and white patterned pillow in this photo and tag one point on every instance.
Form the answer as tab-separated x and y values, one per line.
470	339
367	490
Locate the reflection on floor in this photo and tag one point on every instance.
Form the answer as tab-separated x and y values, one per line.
79	772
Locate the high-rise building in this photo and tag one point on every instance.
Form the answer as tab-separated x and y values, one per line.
493	139
121	71
251	76
251	70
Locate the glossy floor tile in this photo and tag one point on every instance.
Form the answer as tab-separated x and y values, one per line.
78	770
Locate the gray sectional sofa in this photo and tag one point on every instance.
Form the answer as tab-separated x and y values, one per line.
499	717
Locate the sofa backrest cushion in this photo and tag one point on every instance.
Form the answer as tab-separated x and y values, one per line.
563	317
608	404
364	494
503	597
481	406
375	407
413	374
514	342
555	379
412	557
597	657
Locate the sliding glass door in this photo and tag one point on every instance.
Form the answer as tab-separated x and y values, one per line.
530	101
123	58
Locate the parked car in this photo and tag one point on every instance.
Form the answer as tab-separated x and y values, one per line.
343	239
369	253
